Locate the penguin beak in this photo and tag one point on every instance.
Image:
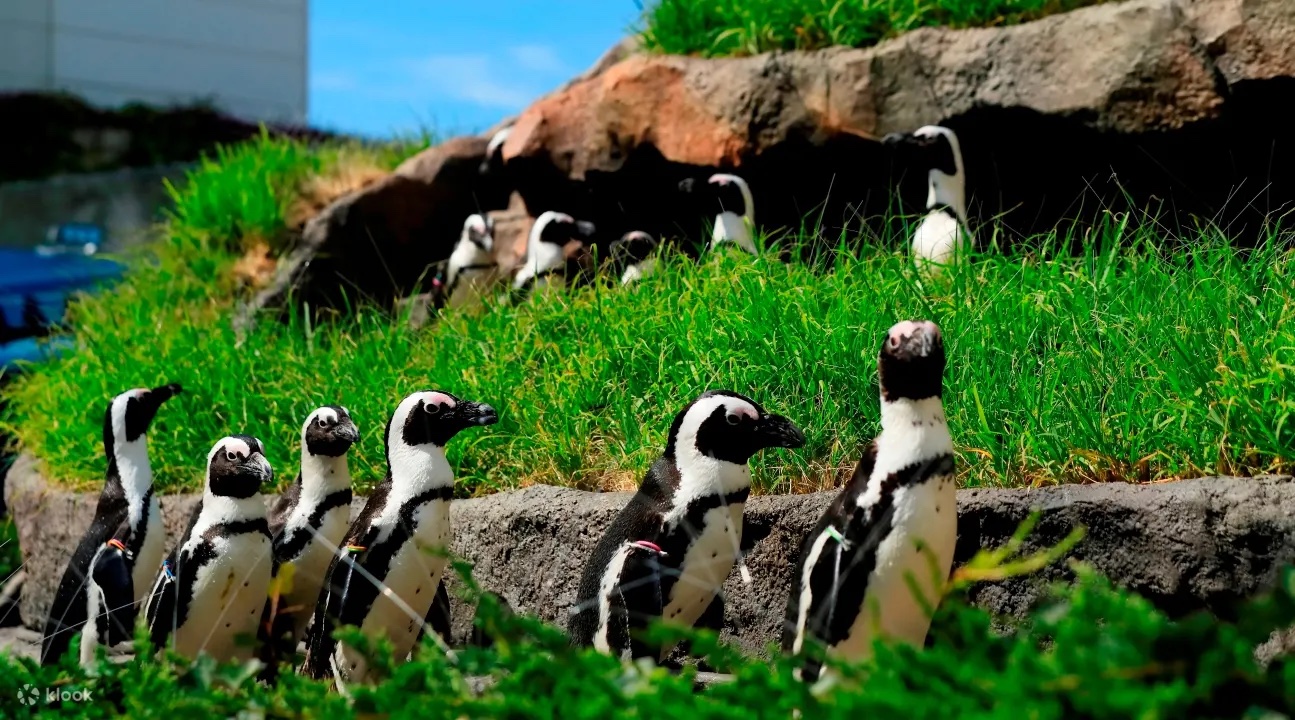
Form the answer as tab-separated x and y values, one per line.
346	432
259	467
149	403
778	431
477	413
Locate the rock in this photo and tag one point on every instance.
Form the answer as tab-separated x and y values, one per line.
1129	103
1189	545
377	243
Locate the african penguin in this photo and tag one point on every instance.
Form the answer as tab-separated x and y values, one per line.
668	552
384	577
548	249
631	256
112	569
943	235
896	519
309	520
211	591
471	269
495	150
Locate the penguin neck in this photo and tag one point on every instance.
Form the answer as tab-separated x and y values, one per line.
134	474
911	431
321	476
948	191
701	475
466	254
226	509
416	469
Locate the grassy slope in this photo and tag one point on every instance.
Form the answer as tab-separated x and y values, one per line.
1131	363
716	28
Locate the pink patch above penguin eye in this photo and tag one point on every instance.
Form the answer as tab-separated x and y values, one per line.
435	399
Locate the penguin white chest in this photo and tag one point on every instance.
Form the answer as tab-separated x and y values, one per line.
413	575
638	271
706	564
229	593
939	238
729	226
311	565
149	558
920	545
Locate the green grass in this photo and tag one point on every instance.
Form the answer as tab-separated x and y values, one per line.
717	28
1089	651
1130	363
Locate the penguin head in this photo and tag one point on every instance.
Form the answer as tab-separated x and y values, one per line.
730	192
912	361
480	231
632	248
726	426
556	238
130	414
236	467
495	151
935	148
329	432
432	417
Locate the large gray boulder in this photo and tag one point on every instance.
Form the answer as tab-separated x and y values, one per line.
1187	545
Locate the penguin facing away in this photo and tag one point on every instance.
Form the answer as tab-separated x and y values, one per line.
943	235
896	519
211	591
735	221
631	256
309	520
471	269
548	250
112	569
385	576
667	553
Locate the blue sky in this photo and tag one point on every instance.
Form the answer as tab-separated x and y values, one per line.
384	67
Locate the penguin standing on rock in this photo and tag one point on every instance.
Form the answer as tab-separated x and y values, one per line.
384	578
211	591
943	235
112	569
890	534
668	552
471	269
308	523
555	238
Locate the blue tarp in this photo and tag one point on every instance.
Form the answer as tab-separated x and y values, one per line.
28	278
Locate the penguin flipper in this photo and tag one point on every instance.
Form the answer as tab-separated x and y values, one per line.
438	617
640	598
161	609
112	575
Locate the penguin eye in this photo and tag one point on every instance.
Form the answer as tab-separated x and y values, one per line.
230	456
893	341
432	408
733	419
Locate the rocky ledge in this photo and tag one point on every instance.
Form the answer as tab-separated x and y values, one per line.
1174	106
1188	545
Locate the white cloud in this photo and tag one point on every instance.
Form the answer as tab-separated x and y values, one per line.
537	58
475	78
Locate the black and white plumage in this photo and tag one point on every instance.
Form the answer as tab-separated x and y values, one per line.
495	151
112	569
548	260
309	521
726	203
631	256
387	572
688	511
943	235
471	269
211	591
896	518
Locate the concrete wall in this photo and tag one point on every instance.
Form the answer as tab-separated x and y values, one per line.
247	56
125	202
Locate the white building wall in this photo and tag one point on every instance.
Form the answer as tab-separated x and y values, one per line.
248	57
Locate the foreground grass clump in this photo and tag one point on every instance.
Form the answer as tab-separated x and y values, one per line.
1127	361
1090	651
717	28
